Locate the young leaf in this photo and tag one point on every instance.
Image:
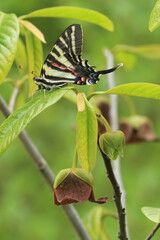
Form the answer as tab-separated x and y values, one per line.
33	29
35	57
152	214
17	121
75	13
87	130
154	21
9	33
147	90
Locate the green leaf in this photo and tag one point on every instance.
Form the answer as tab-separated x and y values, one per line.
35	58
87	130
20	58
74	13
146	90
9	33
151	51
154	21
152	214
17	121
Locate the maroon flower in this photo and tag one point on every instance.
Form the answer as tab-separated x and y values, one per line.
75	186
137	129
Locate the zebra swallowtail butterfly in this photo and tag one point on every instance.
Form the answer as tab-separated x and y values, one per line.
64	64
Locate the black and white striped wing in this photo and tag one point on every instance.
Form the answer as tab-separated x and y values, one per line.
58	68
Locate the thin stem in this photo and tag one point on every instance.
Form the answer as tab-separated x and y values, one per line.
104	122
153	231
94	94
122	235
47	173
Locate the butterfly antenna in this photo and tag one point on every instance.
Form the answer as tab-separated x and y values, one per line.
109	70
20	67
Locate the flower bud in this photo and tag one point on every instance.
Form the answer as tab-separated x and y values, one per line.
112	144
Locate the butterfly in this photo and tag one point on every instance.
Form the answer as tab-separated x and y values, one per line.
65	65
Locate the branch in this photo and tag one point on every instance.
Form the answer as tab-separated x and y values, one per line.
47	173
122	235
153	231
13	98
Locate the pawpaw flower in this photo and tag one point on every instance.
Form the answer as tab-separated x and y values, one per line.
137	129
74	185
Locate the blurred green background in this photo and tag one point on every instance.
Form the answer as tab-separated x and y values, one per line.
26	201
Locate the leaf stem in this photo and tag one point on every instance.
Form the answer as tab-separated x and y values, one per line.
157	226
104	122
95	93
47	173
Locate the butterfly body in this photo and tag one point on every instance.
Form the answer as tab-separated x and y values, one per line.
64	64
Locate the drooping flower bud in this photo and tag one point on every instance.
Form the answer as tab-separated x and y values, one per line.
112	144
74	185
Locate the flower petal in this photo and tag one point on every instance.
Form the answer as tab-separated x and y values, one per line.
72	189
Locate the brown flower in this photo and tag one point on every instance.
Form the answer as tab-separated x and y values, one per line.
137	129
73	188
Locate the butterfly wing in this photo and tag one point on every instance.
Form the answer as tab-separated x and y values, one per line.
70	41
58	68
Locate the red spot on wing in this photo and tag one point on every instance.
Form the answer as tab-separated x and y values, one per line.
83	79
